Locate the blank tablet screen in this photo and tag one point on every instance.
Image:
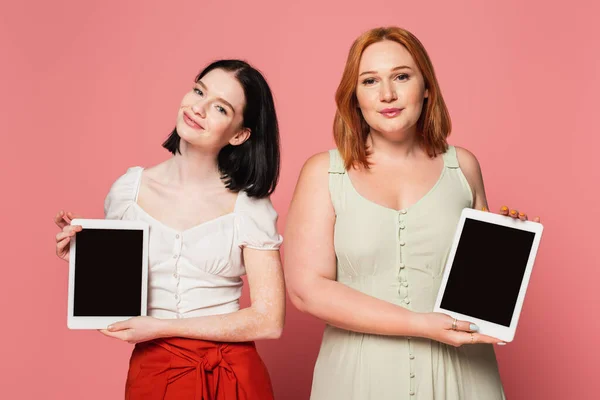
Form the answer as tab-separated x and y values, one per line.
487	271
108	273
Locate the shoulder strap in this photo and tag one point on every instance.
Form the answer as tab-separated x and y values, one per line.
336	162
450	159
337	173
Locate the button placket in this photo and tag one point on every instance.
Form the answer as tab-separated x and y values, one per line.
177	247
403	292
412	375
403	281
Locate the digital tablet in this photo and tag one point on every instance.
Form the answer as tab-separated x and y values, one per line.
108	272
488	270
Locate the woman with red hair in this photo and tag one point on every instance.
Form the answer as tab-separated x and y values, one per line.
379	215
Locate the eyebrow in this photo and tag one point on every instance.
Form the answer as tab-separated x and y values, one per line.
218	98
394	69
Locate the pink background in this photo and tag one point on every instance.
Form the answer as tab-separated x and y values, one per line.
88	90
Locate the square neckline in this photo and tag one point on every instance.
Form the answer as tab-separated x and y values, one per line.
138	184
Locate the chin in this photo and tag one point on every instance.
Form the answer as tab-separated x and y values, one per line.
185	131
392	129
397	133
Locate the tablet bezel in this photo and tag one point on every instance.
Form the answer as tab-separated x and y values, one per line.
501	332
78	322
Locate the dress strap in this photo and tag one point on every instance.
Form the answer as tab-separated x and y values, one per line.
337	177
336	162
450	159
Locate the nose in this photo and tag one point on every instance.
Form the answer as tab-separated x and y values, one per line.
387	93
198	107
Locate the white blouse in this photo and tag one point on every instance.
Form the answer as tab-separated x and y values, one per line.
196	272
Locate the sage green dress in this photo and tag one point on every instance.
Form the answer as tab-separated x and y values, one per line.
399	256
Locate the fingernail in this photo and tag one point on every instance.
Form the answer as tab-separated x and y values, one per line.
521	214
110	328
504	208
501	343
483	208
474	327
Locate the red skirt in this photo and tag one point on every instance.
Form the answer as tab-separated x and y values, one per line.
177	368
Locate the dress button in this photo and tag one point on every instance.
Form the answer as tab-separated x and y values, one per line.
174	255
402	266
412	393
402	243
405	284
176	297
402	226
175	275
412	357
177	236
402	212
407	301
412	375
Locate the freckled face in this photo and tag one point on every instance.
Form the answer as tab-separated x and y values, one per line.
390	90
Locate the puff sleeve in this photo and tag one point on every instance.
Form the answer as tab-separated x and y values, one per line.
258	225
122	194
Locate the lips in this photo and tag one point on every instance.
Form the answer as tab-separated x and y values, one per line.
390	112
191	122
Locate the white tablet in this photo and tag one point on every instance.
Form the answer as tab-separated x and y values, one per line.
488	270
108	272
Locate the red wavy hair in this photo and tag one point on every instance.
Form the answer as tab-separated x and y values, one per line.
350	129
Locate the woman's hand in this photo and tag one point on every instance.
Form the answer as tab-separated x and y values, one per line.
513	213
137	329
63	238
443	328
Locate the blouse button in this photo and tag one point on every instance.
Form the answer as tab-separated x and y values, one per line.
402	243
412	357
402	212
412	375
176	297
402	226
175	275
412	393
407	301
177	236
405	284
174	255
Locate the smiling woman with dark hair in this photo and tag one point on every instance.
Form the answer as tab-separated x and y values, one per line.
211	222
254	164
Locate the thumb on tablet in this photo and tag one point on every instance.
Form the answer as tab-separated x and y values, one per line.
118	326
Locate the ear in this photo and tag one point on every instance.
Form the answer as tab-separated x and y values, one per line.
240	137
426	93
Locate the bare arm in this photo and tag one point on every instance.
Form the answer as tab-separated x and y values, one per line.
311	264
262	320
472	171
